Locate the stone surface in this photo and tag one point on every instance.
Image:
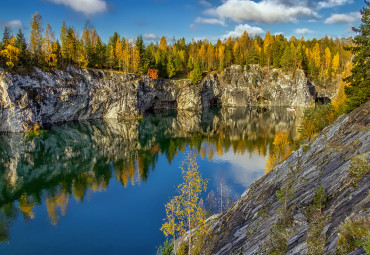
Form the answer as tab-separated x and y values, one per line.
79	94
247	227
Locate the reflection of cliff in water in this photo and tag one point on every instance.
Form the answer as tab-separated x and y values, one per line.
70	159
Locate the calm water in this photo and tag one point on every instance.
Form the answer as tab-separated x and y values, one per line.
100	187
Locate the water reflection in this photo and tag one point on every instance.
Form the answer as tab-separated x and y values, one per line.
72	159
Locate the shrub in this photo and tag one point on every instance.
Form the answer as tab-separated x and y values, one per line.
354	233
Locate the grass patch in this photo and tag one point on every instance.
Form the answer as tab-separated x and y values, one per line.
359	167
354	233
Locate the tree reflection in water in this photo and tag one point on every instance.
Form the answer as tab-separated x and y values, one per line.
71	159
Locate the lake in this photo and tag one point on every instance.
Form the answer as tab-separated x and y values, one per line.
97	187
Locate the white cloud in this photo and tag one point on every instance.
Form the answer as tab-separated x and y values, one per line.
244	170
193	27
210	21
16	23
151	37
332	3
343	18
303	31
265	11
239	30
87	7
205	3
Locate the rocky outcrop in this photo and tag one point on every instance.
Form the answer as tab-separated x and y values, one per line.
79	94
300	205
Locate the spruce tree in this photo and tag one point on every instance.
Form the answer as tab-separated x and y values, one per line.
20	43
358	91
140	47
6	37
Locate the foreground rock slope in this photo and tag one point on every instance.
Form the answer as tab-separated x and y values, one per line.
79	94
295	223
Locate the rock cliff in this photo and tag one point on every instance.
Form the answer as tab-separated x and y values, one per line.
79	94
300	206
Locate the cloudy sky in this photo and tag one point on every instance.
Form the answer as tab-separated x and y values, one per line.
197	19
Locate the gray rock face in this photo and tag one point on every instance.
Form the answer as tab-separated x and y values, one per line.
78	94
249	226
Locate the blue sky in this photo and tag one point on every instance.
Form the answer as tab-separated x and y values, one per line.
198	19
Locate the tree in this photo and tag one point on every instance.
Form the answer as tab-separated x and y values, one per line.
172	226
10	53
286	60
171	71
127	56
153	74
135	59
6	36
21	44
119	53
163	44
221	57
358	91
335	64
197	73
141	51
71	45
63	41
183	212
36	37
49	47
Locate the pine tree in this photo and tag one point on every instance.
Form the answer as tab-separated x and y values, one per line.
71	45
21	44
141	51
196	74
358	91
171	71
286	59
6	37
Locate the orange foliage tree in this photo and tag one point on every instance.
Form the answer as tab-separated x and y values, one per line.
153	73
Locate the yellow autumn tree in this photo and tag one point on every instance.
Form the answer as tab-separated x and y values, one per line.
49	47
119	53
281	150
10	53
126	56
172	226
163	44
203	54
315	55
135	59
340	98
183	212
335	64
327	61
221	57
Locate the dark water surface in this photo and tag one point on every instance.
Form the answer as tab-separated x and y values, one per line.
99	187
